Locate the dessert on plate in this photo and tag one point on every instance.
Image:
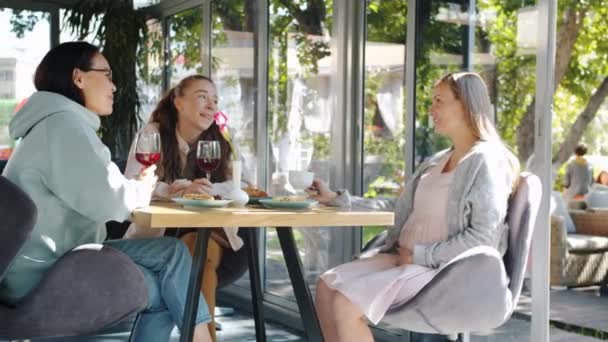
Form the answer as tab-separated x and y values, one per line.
255	192
290	198
198	197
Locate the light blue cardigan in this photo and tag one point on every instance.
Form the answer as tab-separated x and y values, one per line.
476	206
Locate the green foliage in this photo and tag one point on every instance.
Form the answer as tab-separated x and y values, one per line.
387	21
300	21
371	231
119	30
23	21
320	143
7	107
6	110
150	51
515	71
186	29
587	67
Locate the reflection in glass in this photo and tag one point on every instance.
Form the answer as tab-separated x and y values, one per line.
502	53
300	117
150	70
232	70
185	48
19	57
384	116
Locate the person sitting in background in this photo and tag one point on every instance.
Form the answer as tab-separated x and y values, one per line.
579	175
184	116
455	201
602	178
598	195
66	169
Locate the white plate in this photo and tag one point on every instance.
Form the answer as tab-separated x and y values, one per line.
270	203
188	202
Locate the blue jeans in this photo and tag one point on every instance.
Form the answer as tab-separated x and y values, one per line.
165	263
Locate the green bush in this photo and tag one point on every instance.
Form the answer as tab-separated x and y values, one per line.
6	113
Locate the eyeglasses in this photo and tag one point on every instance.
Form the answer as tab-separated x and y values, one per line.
107	71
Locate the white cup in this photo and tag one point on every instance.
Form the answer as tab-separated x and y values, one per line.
300	180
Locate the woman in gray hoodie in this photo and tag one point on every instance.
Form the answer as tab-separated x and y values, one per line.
455	201
65	168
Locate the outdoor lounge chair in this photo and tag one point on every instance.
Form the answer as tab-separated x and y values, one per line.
479	289
86	290
580	258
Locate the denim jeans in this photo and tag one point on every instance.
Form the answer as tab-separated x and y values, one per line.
165	263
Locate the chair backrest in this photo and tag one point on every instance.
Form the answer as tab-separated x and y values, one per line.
18	217
521	218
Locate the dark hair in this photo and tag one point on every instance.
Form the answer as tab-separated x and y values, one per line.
165	114
55	72
580	150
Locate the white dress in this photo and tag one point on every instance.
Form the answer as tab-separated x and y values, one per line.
375	284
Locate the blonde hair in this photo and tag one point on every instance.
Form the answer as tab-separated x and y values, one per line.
470	89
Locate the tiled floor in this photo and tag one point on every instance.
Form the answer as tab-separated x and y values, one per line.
235	327
581	308
239	328
517	330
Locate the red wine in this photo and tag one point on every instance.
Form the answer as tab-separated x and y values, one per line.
208	164
147	159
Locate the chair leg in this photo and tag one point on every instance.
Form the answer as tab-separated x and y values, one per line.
452	337
133	327
464	337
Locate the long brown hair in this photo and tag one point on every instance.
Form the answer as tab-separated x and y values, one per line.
470	89
166	115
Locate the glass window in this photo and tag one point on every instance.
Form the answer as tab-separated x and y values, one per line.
150	70
502	51
185	45
232	64
300	112
384	106
20	55
232	68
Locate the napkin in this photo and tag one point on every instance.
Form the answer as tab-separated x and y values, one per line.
235	241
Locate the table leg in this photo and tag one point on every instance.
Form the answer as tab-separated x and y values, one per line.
194	285
257	295
300	287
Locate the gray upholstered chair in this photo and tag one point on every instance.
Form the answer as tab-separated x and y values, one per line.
479	289
88	288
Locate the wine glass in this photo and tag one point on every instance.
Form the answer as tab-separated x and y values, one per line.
147	148
208	156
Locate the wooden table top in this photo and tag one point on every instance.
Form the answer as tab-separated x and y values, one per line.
170	214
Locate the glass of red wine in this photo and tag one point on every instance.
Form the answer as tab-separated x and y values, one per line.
208	156
147	148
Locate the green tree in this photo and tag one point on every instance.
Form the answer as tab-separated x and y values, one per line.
581	67
120	31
